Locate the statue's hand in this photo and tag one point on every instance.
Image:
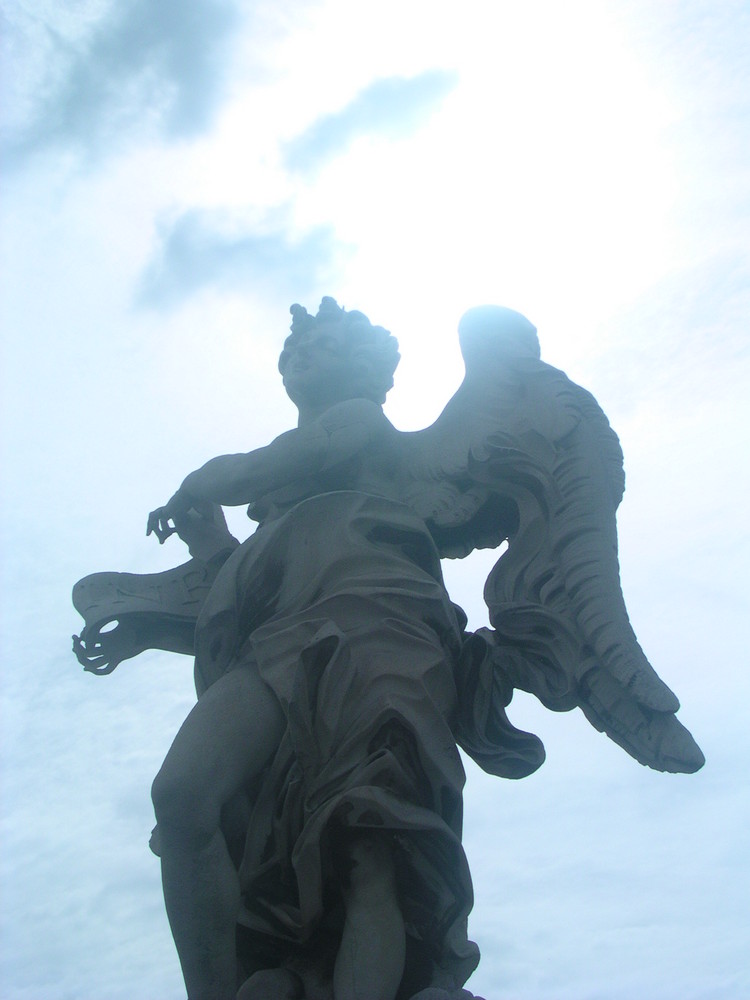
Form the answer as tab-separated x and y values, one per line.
199	523
175	510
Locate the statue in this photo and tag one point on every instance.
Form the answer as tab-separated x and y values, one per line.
309	809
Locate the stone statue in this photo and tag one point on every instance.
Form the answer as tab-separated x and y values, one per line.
309	809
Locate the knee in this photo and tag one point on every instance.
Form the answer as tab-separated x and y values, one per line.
182	812
371	876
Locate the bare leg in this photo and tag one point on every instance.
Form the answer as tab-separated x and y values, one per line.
370	962
226	740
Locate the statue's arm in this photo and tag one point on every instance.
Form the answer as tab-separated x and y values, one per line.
233	480
339	434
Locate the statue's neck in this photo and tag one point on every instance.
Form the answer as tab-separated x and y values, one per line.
307	414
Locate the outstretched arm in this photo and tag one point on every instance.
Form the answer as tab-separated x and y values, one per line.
232	480
337	435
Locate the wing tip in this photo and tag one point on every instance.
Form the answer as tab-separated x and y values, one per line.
666	746
679	753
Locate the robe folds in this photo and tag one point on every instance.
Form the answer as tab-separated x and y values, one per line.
340	607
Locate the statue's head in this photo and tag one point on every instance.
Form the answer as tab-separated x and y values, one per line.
336	355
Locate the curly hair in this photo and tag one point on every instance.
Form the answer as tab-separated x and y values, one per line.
371	346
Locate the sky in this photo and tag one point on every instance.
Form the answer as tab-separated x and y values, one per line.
174	177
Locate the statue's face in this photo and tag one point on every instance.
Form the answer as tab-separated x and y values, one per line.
319	368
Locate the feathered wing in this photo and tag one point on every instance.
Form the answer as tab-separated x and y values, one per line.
522	453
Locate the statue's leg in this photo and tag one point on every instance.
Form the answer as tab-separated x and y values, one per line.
370	962
227	739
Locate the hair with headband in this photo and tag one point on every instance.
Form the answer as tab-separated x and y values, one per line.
372	348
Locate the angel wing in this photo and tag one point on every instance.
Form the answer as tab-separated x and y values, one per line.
522	453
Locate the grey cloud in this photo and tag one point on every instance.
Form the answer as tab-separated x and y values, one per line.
144	62
195	253
392	107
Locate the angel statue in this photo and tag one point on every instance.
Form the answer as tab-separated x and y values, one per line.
309	810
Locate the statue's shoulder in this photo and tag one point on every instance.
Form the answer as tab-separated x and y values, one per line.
360	420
